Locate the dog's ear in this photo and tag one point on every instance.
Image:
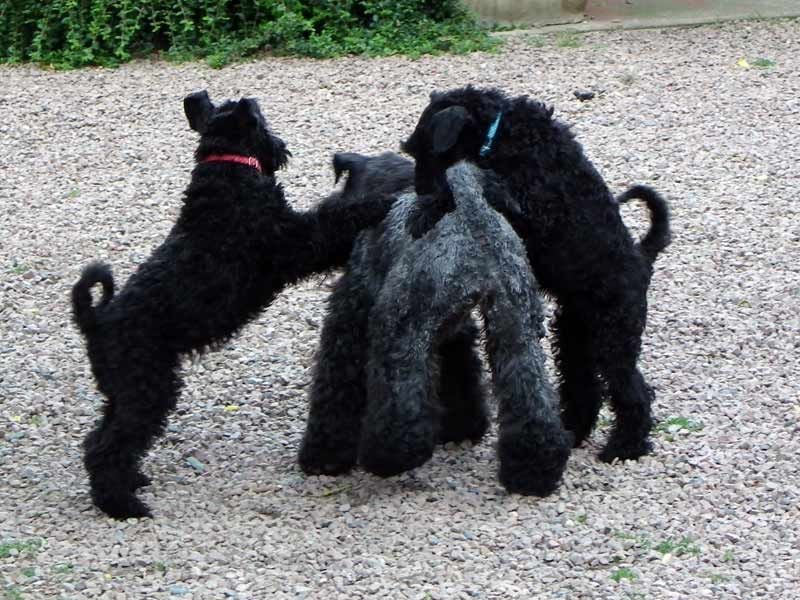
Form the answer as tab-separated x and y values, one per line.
198	108
246	113
446	127
279	155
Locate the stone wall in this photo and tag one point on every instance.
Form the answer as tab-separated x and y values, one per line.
528	11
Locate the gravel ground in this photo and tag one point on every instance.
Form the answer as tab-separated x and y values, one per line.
93	166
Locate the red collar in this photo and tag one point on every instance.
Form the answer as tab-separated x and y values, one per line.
250	161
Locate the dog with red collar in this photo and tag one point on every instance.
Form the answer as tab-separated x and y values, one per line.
236	244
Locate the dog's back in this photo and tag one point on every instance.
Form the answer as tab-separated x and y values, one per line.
493	235
472	245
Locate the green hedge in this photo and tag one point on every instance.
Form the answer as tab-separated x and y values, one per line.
74	33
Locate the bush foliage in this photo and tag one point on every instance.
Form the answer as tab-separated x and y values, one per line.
73	33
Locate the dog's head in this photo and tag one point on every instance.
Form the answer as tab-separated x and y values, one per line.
453	127
236	127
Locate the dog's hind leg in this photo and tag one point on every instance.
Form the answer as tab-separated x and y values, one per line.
134	415
631	398
460	389
399	426
580	390
338	392
533	447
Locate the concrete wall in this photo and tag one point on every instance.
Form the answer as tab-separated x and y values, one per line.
528	11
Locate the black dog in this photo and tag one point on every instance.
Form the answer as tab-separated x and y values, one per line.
386	174
235	245
392	377
579	248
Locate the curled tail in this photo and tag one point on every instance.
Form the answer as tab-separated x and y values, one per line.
659	235
83	313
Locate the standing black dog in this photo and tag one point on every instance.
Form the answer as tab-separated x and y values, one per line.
579	248
388	384
235	245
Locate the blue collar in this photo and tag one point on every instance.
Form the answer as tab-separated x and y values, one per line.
487	145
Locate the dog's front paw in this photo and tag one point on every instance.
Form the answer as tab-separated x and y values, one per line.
387	455
318	460
579	423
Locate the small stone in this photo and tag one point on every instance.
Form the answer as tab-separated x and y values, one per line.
195	464
178	590
584	95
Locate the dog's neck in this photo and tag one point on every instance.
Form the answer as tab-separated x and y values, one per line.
250	161
527	133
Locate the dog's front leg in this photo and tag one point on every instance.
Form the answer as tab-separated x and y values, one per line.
460	389
338	391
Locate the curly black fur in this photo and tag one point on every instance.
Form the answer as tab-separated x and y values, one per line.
580	250
385	174
397	368
235	245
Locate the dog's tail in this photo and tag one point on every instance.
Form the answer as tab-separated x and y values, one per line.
83	313
659	236
347	161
